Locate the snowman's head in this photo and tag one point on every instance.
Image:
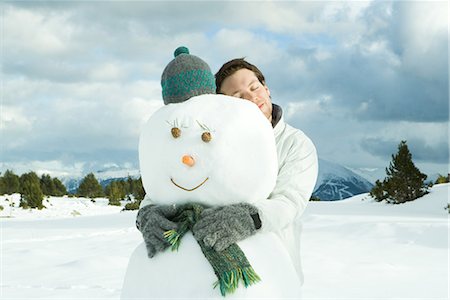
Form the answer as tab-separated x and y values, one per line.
211	149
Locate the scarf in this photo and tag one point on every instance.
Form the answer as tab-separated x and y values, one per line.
230	265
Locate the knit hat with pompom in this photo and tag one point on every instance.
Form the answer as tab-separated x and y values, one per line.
186	76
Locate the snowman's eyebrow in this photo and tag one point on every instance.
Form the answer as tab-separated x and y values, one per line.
175	123
203	126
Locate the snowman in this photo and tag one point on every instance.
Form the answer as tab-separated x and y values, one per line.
211	150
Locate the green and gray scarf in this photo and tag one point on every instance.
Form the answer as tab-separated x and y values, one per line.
230	265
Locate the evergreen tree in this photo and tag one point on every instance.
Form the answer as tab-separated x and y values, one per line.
138	194
442	179
60	189
90	187
47	185
115	192
132	205
378	192
130	185
2	186
31	193
404	181
138	189
10	183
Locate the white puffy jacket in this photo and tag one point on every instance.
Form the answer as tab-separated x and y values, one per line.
297	175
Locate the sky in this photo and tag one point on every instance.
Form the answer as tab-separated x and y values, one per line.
80	78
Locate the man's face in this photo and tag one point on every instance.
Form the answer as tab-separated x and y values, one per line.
244	84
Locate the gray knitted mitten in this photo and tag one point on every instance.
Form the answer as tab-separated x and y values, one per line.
152	221
219	227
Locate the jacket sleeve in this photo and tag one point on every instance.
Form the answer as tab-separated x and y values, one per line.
296	179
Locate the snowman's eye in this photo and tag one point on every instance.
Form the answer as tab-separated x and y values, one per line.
206	137
176	132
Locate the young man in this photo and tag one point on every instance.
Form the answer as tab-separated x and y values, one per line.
297	169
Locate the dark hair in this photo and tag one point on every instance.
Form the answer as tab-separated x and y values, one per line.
229	68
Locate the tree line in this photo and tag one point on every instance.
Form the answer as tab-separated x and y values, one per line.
33	189
404	182
115	191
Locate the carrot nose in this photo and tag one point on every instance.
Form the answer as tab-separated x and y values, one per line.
188	160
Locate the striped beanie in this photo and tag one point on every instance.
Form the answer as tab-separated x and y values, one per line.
186	76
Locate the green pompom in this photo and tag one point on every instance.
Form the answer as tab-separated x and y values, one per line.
181	50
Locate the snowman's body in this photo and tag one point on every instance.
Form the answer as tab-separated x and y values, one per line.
237	163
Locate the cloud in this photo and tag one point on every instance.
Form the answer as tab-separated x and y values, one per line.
380	64
72	119
421	151
78	84
339	137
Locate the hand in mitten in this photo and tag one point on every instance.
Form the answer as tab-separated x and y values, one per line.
152	221
219	227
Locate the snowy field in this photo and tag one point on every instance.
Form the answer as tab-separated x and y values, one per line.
352	249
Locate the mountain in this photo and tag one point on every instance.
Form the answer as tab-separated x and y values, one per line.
370	174
336	182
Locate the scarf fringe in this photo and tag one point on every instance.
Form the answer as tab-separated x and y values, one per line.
229	281
173	238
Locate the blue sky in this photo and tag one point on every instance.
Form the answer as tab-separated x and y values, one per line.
80	78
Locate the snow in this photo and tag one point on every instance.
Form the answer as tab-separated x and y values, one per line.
358	248
57	207
351	249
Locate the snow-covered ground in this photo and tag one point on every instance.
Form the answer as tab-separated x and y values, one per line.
352	249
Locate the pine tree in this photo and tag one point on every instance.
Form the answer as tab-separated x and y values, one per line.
90	187
138	189
442	179
378	192
60	189
115	192
47	185
138	194
2	186
130	185
10	183
404	181
31	193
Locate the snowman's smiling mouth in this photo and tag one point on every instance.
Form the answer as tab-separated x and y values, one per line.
189	190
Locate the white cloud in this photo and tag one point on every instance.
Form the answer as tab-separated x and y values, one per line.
429	133
48	34
107	72
425	34
246	43
78	84
13	119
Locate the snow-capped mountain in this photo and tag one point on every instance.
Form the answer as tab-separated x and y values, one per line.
115	171
370	174
336	182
